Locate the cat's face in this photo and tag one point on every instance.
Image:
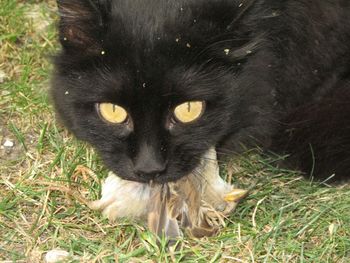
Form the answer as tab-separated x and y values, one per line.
147	83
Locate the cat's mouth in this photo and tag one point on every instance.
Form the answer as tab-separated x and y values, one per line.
157	178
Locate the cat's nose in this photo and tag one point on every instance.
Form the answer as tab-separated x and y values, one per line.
149	168
149	163
150	171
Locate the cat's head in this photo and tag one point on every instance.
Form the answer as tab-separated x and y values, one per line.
150	84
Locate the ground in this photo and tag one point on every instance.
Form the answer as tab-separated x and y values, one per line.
44	171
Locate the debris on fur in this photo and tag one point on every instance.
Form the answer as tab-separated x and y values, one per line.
198	203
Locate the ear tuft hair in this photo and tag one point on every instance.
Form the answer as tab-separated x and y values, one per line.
81	25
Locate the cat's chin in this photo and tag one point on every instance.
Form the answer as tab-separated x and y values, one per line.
167	179
163	179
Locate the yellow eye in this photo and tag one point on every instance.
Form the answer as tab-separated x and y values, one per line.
189	111
112	113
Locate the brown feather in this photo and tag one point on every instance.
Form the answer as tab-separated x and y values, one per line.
199	232
158	216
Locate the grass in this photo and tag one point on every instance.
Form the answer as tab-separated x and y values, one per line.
285	219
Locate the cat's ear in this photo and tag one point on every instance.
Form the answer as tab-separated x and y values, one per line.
82	24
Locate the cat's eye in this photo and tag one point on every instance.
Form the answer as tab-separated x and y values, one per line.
189	111
112	113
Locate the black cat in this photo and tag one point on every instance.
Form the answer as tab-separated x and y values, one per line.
153	84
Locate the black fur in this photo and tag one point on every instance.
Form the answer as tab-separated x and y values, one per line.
272	73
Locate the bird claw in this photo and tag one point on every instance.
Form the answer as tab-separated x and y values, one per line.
235	195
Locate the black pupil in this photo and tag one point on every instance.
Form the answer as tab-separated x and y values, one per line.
189	106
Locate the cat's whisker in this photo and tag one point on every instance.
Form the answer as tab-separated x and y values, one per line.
229	40
211	160
198	173
236	52
246	7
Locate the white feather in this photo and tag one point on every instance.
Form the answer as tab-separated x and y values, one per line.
122	198
214	187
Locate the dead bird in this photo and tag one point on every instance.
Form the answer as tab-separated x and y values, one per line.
197	203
